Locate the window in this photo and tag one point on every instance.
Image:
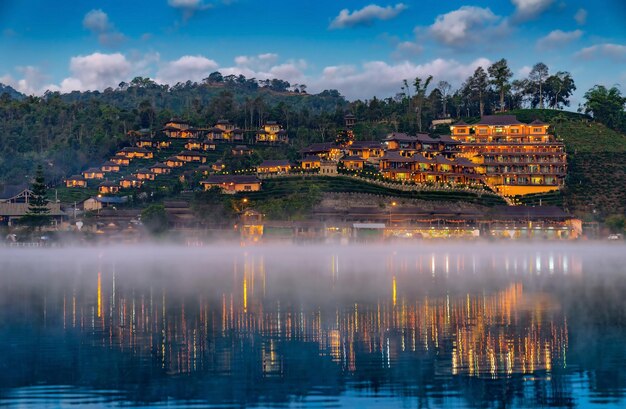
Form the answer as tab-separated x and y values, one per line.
514	130
482	131
537	130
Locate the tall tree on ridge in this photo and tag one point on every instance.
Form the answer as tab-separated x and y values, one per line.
537	77
444	87
420	95
499	76
478	83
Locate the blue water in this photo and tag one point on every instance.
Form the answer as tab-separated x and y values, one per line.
427	326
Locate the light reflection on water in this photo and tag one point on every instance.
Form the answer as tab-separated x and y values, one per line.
314	327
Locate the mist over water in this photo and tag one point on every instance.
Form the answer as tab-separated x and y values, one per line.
440	324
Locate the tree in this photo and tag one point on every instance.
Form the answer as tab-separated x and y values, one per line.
478	84
616	223
38	214
444	88
499	76
420	95
559	87
606	105
154	218
214	78
537	77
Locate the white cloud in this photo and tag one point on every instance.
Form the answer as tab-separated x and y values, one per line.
188	67
32	81
97	21
366	16
382	79
467	25
96	71
615	52
527	9
407	49
581	16
257	62
558	38
524	71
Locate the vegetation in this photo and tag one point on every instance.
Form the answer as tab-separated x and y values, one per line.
38	214
154	218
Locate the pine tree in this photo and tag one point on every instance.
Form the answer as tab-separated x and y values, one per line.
38	214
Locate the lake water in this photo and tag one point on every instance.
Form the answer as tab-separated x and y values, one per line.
425	326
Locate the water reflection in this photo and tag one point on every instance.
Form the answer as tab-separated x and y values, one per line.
432	328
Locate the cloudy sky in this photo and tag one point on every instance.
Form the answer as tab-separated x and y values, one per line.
362	48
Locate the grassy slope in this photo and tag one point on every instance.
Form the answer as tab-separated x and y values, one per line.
284	186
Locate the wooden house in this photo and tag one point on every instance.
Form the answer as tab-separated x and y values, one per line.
224	131
274	166
192	156
241	150
109	166
272	133
130	182
121	160
352	162
174	162
231	184
108	188
325	150
145	174
93	173
218	166
76	181
193	145
160	169
310	162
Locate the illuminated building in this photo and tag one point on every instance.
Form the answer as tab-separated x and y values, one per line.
516	158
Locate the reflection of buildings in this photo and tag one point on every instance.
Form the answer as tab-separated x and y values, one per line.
240	327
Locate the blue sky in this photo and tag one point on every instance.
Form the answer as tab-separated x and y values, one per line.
362	48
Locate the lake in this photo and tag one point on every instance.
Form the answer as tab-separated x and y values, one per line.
427	325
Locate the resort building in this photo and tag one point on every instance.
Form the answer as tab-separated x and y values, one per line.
130	182
144	174
272	133
174	162
274	166
516	158
232	184
421	169
325	150
132	152
108	187
177	128
93	173
76	181
241	150
193	145
109	166
144	142
352	162
160	169
311	162
224	131
366	150
192	156
120	160
218	166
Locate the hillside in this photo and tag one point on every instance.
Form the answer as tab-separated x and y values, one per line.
11	92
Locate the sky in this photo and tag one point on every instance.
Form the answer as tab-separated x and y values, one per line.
362	48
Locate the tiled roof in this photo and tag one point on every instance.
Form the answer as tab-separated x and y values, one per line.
499	120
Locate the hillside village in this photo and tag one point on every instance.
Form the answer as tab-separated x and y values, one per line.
495	161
